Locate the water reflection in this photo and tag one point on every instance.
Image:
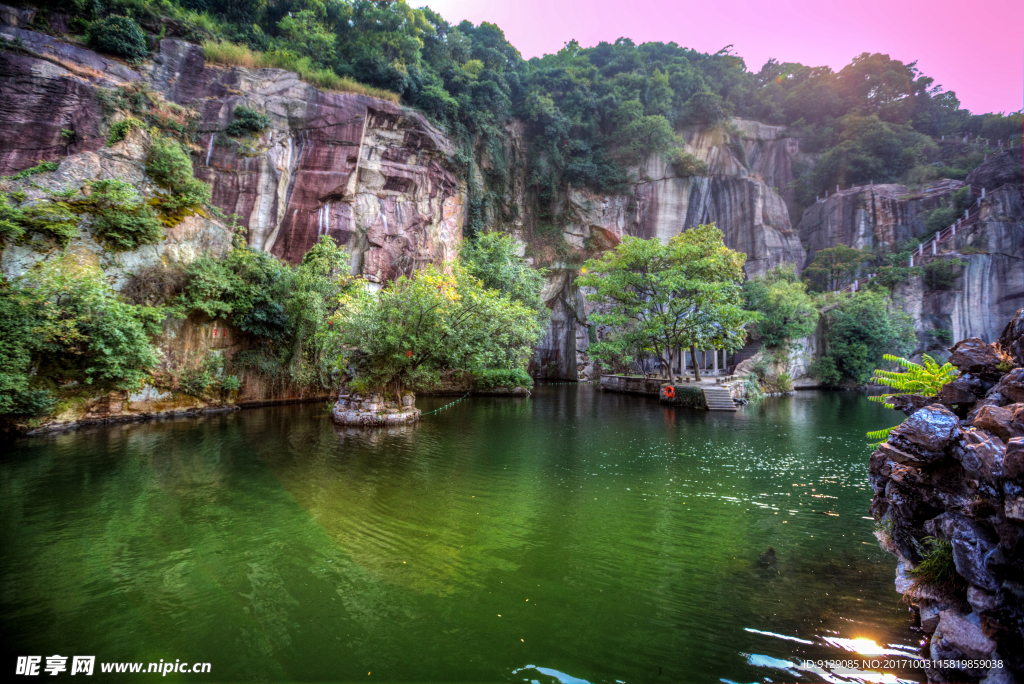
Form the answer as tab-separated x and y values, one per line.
601	537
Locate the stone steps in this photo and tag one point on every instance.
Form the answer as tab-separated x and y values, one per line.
719	399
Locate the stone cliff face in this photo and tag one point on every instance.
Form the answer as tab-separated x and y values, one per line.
870	216
990	285
374	175
949	489
747	163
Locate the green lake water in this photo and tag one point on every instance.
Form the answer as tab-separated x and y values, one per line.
576	536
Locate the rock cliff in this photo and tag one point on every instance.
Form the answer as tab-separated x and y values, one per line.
374	175
747	164
987	289
949	496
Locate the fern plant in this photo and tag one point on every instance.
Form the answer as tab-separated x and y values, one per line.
925	378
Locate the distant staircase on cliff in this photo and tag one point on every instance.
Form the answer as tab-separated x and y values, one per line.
719	399
924	251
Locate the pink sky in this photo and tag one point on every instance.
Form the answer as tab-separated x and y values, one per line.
973	48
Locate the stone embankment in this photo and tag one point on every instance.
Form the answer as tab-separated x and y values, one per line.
951	478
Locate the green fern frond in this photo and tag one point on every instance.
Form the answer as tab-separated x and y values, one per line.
881	435
926	379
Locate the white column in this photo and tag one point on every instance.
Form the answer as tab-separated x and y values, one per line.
934	242
983	193
714	355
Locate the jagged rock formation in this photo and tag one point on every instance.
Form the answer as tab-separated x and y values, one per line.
954	471
374	175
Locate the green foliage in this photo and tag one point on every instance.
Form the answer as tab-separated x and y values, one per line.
508	378
41	167
859	331
786	312
494	259
247	122
943	335
53	220
942	274
659	297
170	166
834	268
286	308
195	381
926	378
64	325
784	382
406	334
119	129
119	36
230	383
686	165
122	218
937	569
138	101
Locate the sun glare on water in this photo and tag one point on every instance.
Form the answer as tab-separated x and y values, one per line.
866	647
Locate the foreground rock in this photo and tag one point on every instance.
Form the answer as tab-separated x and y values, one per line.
961	481
372	410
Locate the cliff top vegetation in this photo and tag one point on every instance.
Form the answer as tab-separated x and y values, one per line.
592	113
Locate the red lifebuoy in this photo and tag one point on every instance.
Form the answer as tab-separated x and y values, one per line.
670	392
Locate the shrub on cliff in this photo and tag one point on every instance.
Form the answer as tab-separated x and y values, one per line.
686	165
122	218
247	121
119	36
285	308
171	167
65	326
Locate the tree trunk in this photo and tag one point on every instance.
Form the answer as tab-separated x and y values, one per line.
667	365
696	366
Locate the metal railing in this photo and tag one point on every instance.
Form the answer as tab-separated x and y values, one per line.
931	248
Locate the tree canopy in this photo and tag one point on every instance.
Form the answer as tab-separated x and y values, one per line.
404	335
658	297
785	311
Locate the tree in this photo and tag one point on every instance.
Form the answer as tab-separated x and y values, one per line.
859	331
403	336
494	259
648	135
660	297
834	268
786	311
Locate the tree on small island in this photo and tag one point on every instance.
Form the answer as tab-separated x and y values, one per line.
662	296
405	335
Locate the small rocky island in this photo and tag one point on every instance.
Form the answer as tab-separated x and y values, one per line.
354	409
949	499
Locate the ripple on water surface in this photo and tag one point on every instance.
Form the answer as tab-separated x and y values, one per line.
576	536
